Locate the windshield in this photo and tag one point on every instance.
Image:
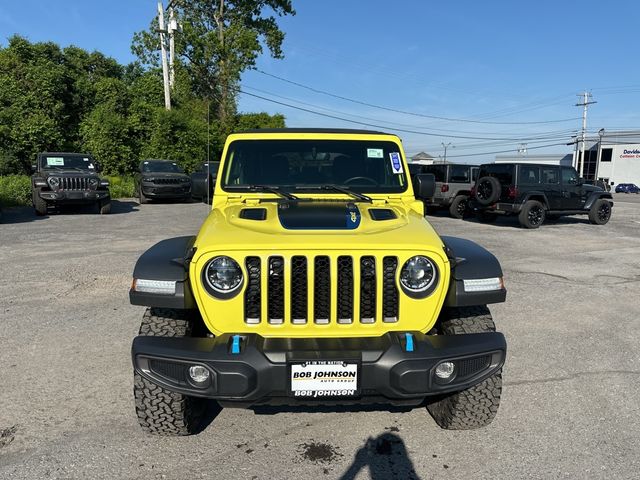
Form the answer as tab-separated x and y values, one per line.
161	167
361	166
62	161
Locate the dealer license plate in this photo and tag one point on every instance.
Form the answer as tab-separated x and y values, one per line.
319	378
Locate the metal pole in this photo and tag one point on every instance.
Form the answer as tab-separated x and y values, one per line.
600	134
163	53
585	102
172	50
445	150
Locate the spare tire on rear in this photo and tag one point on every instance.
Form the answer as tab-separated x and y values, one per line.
487	190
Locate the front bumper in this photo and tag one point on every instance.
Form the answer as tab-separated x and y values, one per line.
74	196
389	371
163	191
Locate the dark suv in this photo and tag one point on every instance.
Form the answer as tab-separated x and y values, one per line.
535	192
68	178
162	180
453	186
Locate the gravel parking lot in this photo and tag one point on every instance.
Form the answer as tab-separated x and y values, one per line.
570	406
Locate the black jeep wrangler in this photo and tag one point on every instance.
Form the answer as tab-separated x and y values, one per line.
536	192
68	179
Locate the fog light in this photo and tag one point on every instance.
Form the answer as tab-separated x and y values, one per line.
445	370
198	373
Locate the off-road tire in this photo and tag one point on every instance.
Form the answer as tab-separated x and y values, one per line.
486	217
160	411
458	208
39	204
488	190
104	207
142	199
600	212
532	214
476	406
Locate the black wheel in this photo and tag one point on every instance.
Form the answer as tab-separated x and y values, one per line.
600	212
532	214
104	206
142	199
39	204
476	406
458	208
488	190
160	411
486	217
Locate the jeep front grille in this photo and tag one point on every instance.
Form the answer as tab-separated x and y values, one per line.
167	181
74	183
310	292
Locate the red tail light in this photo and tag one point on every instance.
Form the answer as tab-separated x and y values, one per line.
512	192
444	188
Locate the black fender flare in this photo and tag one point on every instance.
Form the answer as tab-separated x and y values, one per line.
167	260
545	200
593	196
470	261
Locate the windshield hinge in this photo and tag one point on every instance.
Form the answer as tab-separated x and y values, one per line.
378	201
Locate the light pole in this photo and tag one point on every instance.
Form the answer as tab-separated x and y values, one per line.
445	150
600	134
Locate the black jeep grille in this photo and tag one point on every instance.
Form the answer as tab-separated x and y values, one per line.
352	300
167	181
74	183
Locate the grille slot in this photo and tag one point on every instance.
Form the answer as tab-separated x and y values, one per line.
345	289
367	289
389	290
299	295
275	290
167	181
253	294
322	290
471	366
74	183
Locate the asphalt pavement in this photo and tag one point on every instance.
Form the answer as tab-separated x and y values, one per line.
570	406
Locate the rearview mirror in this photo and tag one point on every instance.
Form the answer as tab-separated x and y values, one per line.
424	185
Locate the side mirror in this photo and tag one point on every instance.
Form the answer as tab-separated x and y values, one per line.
580	181
34	167
424	185
97	167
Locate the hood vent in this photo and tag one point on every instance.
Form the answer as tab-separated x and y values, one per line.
319	216
379	214
253	213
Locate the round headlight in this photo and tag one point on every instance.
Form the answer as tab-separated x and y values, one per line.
93	182
54	182
222	276
418	276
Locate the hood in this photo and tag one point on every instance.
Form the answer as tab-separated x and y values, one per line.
315	225
69	173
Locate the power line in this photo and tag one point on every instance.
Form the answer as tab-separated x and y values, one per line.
404	112
504	151
376	125
539	134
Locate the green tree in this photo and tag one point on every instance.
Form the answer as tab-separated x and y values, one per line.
220	40
252	121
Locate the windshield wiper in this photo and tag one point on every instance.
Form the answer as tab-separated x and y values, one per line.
335	188
272	189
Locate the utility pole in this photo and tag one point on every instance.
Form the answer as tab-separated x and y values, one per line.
586	101
445	150
163	52
173	27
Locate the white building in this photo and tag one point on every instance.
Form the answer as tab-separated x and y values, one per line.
547	159
424	158
613	157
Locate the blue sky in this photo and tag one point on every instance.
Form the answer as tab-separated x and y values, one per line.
479	61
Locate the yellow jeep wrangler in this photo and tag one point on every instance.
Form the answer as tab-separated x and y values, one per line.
316	280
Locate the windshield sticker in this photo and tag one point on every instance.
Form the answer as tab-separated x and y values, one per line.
55	162
374	153
396	163
86	159
90	166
